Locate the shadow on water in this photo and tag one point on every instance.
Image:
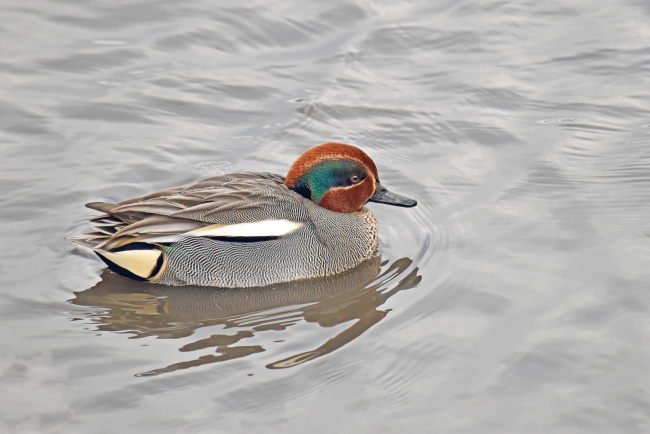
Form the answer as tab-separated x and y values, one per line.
146	309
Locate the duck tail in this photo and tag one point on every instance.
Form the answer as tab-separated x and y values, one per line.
139	261
102	206
89	241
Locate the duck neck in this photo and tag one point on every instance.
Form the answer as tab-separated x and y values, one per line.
302	188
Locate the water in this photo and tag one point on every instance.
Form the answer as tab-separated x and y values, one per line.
513	298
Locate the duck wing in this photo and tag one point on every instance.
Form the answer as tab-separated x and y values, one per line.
133	237
240	205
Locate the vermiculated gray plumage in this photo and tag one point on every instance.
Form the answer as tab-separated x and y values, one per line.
327	243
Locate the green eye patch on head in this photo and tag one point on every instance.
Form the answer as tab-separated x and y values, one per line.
330	174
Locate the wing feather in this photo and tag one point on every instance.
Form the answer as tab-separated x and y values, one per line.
211	207
261	229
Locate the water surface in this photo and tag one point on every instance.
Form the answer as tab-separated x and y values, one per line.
513	298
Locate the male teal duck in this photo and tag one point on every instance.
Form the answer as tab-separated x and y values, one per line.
248	229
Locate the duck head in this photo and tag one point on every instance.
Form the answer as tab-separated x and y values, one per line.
341	178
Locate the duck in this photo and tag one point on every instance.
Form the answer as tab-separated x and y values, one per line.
248	229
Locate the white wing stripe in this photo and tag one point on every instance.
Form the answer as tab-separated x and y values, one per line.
265	228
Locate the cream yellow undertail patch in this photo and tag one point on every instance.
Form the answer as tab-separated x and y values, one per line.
139	262
264	228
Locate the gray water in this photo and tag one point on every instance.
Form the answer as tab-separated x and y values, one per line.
513	298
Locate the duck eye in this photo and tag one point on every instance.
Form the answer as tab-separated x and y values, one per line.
355	179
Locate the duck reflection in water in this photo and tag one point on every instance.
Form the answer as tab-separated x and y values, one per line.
147	309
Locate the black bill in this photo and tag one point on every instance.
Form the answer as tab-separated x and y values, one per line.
382	195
